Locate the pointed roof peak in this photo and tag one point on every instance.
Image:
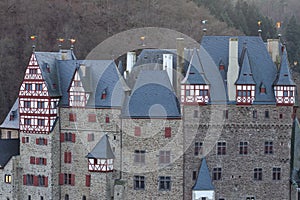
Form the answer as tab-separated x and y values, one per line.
203	181
102	150
245	76
284	77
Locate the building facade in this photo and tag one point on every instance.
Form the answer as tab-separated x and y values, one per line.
217	122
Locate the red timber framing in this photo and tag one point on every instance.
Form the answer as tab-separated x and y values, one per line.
245	94
195	94
77	95
100	165
285	95
38	111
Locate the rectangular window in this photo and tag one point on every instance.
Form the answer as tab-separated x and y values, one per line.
258	174
221	148
276	173
90	137
38	87
254	115
243	148
87	180
28	87
77	98
92	117
28	179
77	84
107	119
41	161
32	71
41	141
139	182
27	121
225	114
217	173
139	156
198	148
268	147
7	178
8	136
41	122
165	183
68	157
27	104
250	198
137	131
72	117
168	132
67	179
285	93
25	139
196	113
164	157
194	175
267	114
40	104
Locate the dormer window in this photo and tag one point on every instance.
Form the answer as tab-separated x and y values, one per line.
104	94
245	94
11	116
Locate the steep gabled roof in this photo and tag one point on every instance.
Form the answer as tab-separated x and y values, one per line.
10	123
8	148
152	97
195	73
203	181
245	75
263	68
284	76
102	150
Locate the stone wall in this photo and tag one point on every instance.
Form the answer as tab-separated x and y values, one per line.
237	180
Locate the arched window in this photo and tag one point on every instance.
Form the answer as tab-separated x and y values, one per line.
66	197
83	197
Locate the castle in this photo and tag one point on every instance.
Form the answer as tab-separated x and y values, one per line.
212	123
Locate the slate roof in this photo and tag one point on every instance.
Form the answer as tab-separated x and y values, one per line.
195	73
263	68
47	63
14	123
100	75
284	76
152	97
102	150
245	74
8	148
203	181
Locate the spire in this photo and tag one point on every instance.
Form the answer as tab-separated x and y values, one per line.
204	181
195	73
245	76
284	77
102	150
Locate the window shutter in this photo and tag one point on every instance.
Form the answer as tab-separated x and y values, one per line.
107	119
66	157
92	117
167	132
45	141
69	157
73	137
32	160
72	117
137	131
23	139
62	137
46	181
36	141
37	161
61	179
35	180
45	161
87	180
72	179
24	180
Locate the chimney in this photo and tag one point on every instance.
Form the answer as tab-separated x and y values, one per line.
273	49
233	68
131	60
180	65
168	66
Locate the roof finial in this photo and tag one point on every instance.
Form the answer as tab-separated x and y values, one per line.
259	28
278	27
204	29
72	40
33	38
60	41
142	38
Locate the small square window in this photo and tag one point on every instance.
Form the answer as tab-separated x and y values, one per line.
276	173
90	137
137	131
92	117
221	148
168	132
72	117
269	147
139	156
267	114
258	174
217	173
164	157
7	178
198	148
139	182
165	183
243	146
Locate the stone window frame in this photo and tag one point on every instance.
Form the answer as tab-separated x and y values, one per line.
164	157
269	147
243	148
139	182
276	173
194	175
250	198
198	148
221	148
254	114
217	173
164	183
257	174
267	114
140	156
7	178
